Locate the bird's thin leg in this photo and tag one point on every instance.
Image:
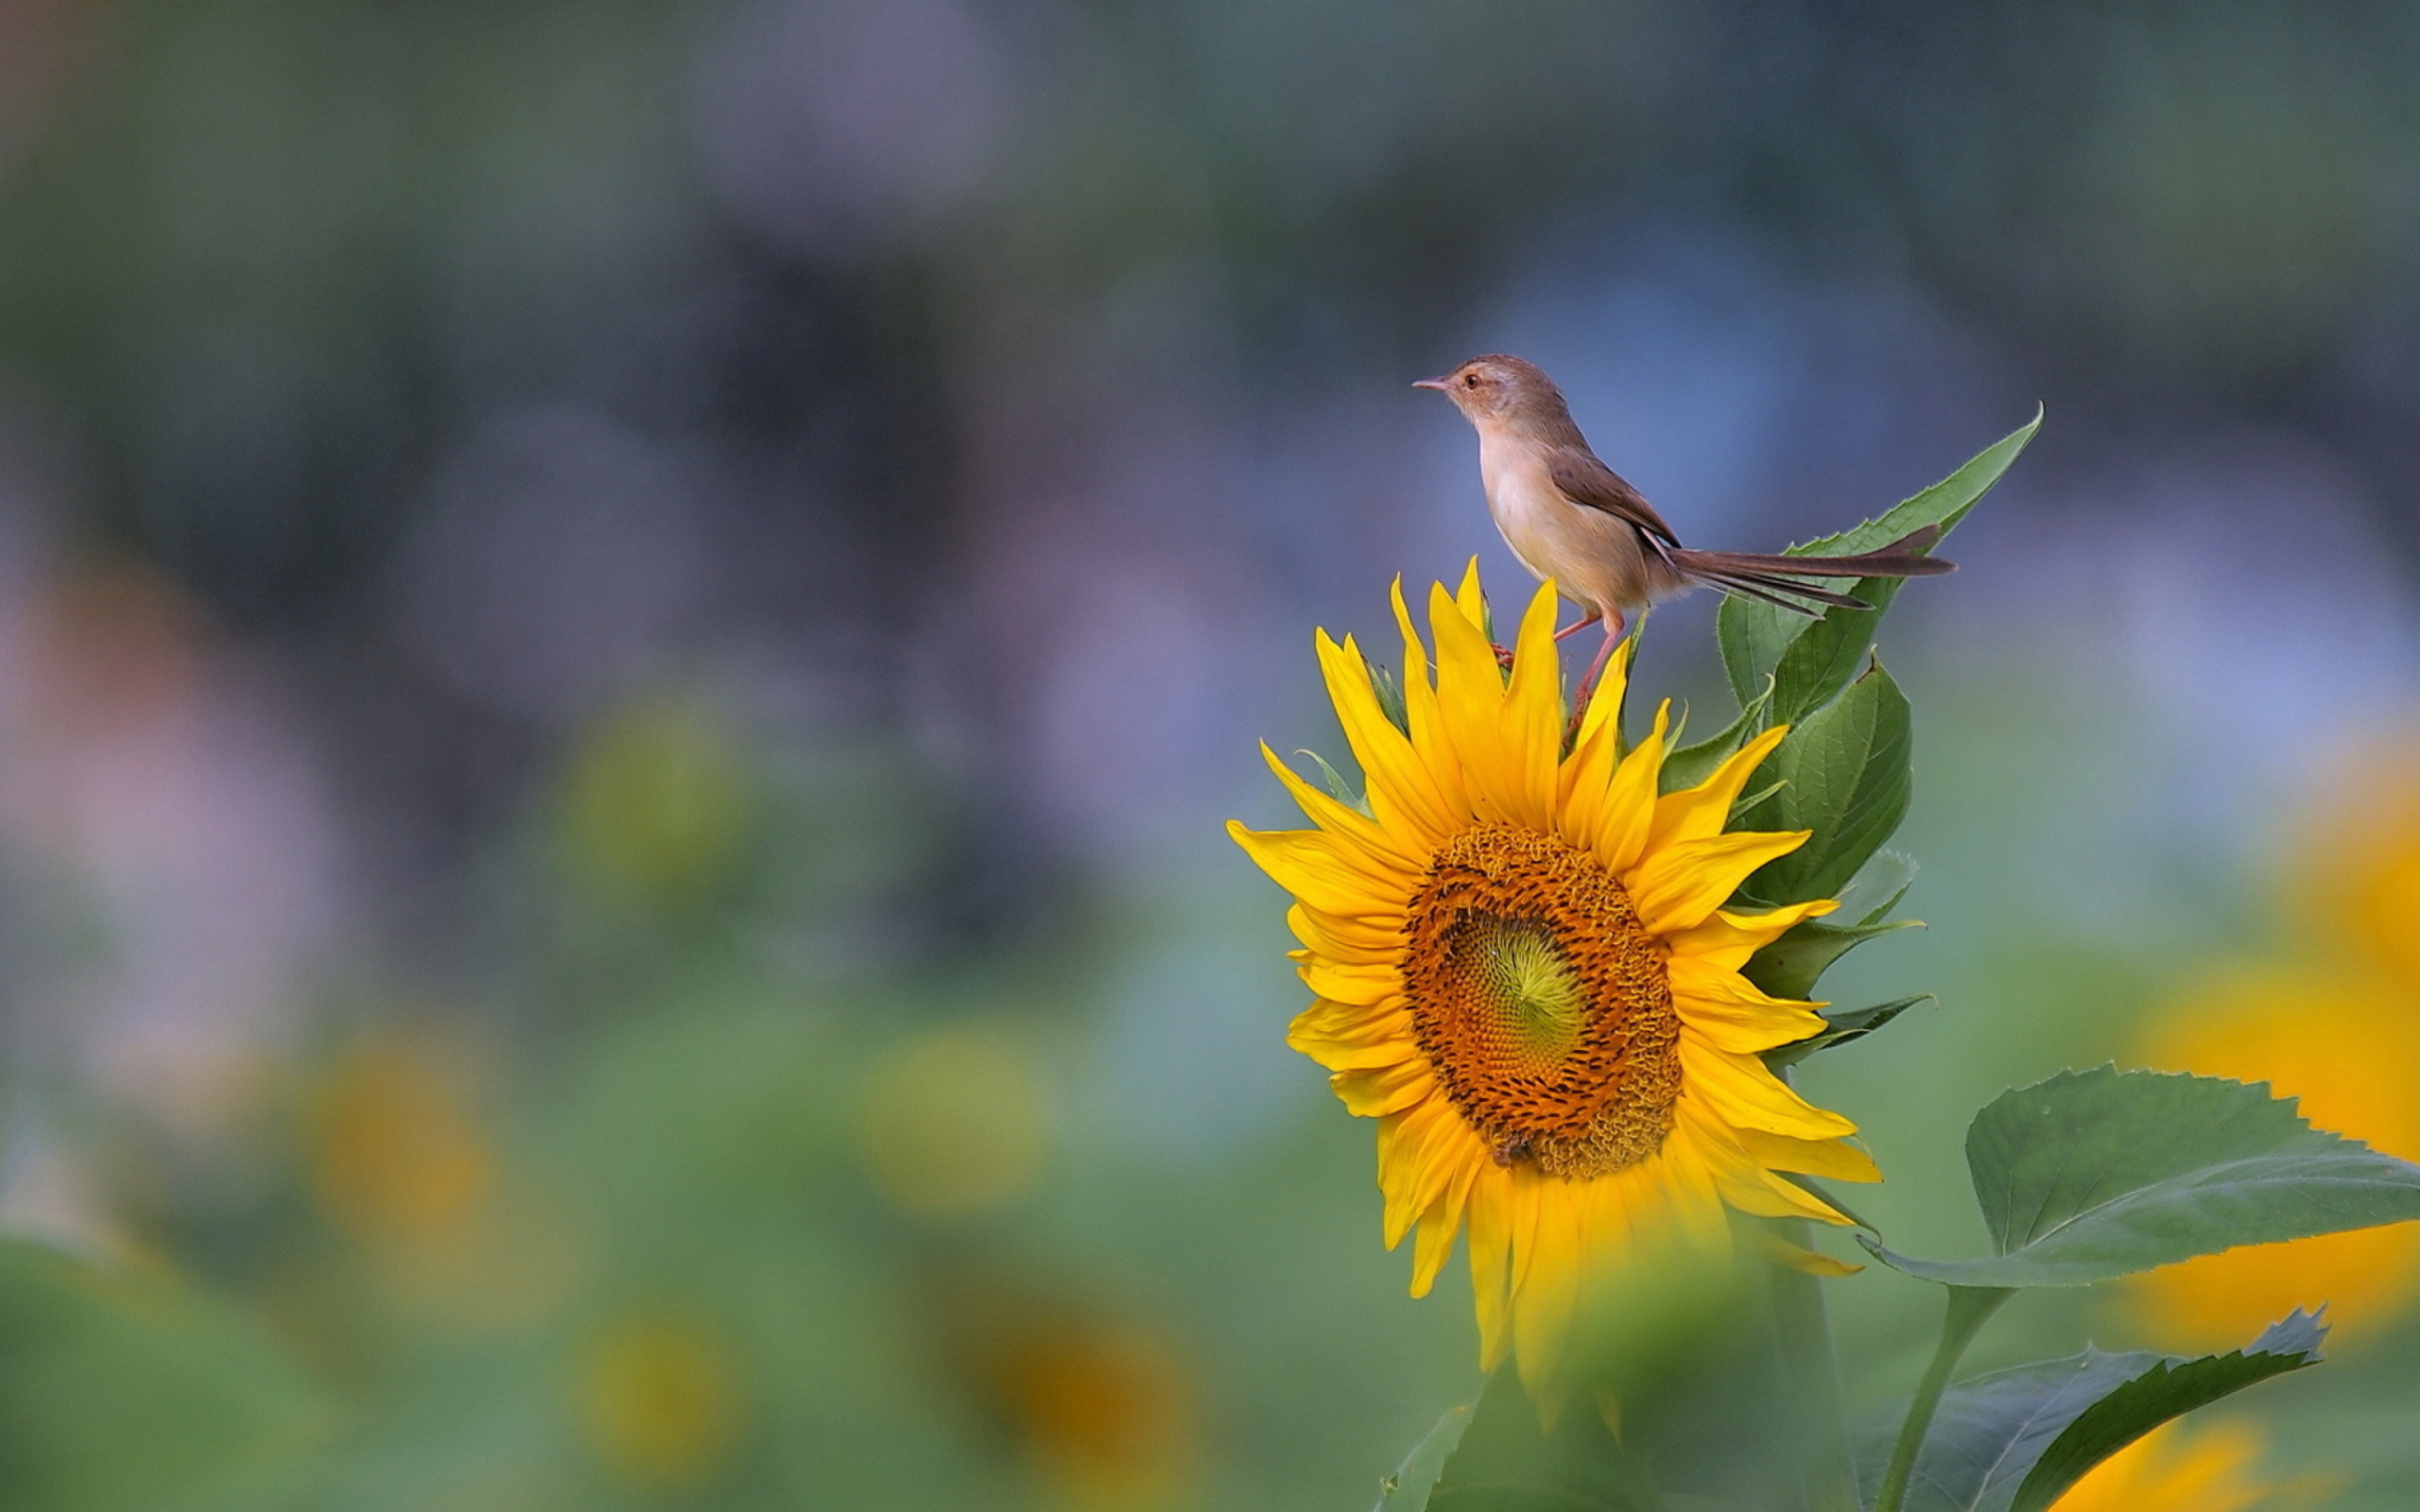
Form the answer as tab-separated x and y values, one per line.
1614	624
1572	629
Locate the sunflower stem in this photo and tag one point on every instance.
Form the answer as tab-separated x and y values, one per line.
1805	1325
1970	1307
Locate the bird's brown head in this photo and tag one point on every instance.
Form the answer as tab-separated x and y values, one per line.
1501	389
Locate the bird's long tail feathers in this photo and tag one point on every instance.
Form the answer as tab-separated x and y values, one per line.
1778	579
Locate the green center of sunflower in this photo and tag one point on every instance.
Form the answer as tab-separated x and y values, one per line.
1542	1002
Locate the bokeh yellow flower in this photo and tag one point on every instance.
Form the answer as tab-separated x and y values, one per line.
952	1123
1105	1415
658	1396
2353	880
1525	970
401	1159
2348	1047
2205	1468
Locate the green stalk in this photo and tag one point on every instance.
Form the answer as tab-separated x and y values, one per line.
1970	1307
1814	1372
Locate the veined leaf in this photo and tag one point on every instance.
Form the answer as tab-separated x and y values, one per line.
1878	888
1810	660
2013	1440
1503	1463
2100	1174
1408	1489
1843	1026
2166	1391
1847	778
1790	965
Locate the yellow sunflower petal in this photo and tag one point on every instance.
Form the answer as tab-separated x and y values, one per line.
1546	1299
1834	1160
1469	597
1317	869
1732	1014
1603	712
1401	791
1428	739
1695	812
1352	1037
1676	886
1383	1090
1434	1240
1530	721
1358	941
1416	1160
1470	695
1727	939
1491	1253
1745	1093
1350	981
1349	826
1621	831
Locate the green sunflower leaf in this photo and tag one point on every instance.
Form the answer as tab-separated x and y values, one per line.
2100	1174
1790	965
2168	1391
1810	660
1389	693
1845	1027
2013	1440
1846	776
1504	1463
1408	1489
1338	788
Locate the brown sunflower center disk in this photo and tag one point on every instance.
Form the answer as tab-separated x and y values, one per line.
1542	1002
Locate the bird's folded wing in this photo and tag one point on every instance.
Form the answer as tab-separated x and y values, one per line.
1586	480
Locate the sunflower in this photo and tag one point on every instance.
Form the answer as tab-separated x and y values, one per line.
1523	969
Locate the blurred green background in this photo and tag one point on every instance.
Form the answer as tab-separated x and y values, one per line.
624	629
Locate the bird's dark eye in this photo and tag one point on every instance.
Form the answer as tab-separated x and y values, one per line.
1470	380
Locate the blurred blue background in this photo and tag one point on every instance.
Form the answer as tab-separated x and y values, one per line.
626	629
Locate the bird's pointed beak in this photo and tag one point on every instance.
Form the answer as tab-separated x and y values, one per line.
1438	384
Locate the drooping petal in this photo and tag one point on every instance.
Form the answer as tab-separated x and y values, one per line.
1490	1252
1416	1150
1434	1240
1350	982
1546	1299
1352	1037
1357	942
1383	1090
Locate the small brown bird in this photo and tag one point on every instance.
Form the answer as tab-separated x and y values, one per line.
1569	517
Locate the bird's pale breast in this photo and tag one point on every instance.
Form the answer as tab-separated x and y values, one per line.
1594	559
